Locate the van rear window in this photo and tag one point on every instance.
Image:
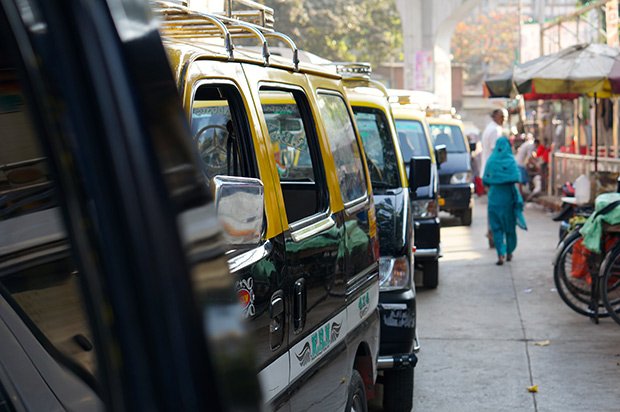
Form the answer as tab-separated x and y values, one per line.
412	138
450	136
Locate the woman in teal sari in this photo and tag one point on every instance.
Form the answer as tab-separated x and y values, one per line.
505	205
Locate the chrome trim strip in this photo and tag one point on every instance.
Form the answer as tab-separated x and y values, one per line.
426	252
308	231
363	274
250	257
356	205
416	344
385	362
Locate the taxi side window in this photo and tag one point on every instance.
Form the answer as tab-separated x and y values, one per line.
344	145
221	133
38	275
296	152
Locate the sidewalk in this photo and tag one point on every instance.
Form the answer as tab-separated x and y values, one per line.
553	203
480	328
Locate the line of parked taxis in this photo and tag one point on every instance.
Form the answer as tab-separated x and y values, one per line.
327	195
325	270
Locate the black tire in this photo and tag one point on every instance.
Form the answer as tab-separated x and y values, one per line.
430	274
466	217
398	390
356	398
575	292
610	283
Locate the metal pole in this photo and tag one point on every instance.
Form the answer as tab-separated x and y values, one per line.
520	21
595	133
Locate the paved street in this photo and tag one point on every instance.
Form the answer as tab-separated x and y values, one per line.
480	327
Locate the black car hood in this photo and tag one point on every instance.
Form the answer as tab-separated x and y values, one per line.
456	163
392	209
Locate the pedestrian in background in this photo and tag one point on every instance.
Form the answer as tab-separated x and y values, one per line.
523	156
476	162
491	133
505	204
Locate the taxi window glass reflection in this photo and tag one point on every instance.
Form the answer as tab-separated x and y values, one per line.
450	136
217	126
412	139
344	146
288	136
295	152
379	148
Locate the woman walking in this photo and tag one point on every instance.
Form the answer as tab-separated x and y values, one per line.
505	204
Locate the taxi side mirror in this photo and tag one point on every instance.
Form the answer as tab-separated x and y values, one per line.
441	154
472	147
239	206
419	172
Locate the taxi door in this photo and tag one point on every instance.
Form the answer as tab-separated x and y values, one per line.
313	239
224	124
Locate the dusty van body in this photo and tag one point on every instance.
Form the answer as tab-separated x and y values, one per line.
308	280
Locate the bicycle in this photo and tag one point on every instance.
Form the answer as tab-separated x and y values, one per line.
609	276
578	274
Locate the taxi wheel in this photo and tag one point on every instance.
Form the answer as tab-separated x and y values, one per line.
356	401
466	217
430	274
398	390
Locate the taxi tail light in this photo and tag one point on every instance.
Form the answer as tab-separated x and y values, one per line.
432	208
424	208
395	273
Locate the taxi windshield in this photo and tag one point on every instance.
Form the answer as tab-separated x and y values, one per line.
450	136
412	138
379	147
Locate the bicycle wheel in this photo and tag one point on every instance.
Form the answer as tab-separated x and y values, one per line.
575	286
610	282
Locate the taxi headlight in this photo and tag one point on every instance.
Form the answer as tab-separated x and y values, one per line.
424	208
460	178
394	273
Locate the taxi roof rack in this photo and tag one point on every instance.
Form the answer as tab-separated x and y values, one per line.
255	21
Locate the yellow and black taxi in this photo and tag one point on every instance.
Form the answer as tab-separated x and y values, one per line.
280	151
415	140
456	185
397	297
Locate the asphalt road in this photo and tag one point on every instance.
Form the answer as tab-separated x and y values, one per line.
480	330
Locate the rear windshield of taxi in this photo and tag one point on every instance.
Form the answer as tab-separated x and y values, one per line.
412	138
450	136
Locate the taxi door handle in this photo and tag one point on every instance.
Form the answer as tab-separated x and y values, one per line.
299	305
276	325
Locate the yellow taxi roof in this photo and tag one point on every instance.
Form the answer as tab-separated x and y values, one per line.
367	93
449	120
407	112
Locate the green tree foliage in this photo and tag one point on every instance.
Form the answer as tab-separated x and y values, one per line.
486	44
342	30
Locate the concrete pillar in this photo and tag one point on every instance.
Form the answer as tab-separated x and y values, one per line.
427	31
411	21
